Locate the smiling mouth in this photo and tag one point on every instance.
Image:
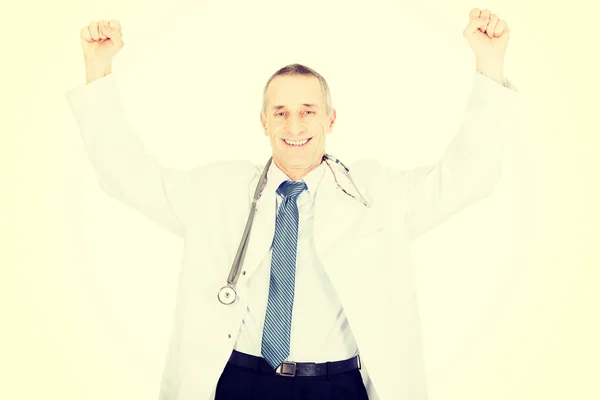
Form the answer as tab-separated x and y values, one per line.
296	143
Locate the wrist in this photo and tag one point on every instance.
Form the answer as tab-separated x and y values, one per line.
494	72
95	71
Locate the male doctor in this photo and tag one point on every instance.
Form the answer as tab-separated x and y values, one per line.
325	271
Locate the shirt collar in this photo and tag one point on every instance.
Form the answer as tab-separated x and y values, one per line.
275	176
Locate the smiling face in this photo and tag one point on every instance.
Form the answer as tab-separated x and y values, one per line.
297	119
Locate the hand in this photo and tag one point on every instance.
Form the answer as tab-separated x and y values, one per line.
487	36
100	42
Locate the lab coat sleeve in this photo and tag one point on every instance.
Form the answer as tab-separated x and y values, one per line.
471	165
124	169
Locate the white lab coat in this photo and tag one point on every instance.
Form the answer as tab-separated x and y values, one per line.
364	250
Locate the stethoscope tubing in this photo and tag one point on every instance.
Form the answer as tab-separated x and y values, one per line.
227	294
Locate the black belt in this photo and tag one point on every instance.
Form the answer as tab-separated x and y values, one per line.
289	368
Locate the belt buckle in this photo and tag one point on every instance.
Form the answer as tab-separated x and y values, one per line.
285	367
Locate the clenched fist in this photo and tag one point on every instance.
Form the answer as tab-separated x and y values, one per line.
100	41
487	36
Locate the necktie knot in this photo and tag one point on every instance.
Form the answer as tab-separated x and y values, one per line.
290	189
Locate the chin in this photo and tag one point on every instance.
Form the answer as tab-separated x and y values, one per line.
298	162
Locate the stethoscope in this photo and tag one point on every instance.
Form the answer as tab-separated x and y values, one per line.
227	294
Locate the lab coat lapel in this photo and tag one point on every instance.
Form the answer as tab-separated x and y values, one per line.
336	215
263	228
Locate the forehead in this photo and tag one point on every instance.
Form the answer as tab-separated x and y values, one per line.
293	90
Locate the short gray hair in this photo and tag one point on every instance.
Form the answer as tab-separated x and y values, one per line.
299	69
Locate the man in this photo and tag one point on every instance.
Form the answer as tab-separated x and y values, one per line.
325	271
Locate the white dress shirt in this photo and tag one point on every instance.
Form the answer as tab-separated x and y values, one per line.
320	330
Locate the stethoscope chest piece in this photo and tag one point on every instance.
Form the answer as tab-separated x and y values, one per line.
227	295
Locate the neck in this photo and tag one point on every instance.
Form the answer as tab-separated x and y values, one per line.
297	173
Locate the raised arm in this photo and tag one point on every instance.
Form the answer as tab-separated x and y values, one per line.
471	165
124	169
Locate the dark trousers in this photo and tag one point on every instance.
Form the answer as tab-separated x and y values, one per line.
242	383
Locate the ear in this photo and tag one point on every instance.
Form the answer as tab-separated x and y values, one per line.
331	122
263	122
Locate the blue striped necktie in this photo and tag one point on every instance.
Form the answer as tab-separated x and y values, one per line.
278	319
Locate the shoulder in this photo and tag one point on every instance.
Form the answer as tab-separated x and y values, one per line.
227	169
366	170
226	176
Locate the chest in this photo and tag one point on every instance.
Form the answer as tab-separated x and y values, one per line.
346	237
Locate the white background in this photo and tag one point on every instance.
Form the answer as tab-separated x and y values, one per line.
79	322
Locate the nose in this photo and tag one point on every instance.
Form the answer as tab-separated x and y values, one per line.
296	126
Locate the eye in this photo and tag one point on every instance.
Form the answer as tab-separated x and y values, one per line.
310	112
279	114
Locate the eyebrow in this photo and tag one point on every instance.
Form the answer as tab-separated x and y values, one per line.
275	108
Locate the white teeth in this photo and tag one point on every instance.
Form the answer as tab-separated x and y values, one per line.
297	142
